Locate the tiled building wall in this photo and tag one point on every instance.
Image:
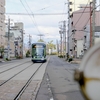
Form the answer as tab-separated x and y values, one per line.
2	24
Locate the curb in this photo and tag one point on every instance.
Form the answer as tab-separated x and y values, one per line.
75	62
2	61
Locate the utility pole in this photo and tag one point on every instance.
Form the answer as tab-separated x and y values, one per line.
57	47
8	48
68	27
93	32
64	30
22	42
29	42
90	26
60	32
63	37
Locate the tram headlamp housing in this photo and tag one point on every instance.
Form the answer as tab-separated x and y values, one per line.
42	58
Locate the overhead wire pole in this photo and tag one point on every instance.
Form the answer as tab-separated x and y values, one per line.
29	14
93	29
60	32
63	39
62	36
90	26
30	42
8	53
65	35
22	42
68	29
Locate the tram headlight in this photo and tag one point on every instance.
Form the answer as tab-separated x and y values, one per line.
42	58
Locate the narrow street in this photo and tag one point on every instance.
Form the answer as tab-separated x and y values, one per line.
58	82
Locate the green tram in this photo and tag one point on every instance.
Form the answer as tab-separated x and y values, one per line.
39	52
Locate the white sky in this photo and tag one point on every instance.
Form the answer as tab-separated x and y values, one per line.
48	25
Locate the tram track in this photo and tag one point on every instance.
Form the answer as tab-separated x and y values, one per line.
13	67
2	83
16	87
26	85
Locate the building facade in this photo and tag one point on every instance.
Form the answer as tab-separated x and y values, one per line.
15	40
80	31
86	39
2	23
76	4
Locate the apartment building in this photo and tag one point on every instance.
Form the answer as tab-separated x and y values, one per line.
77	22
76	4
80	30
16	40
86	39
2	24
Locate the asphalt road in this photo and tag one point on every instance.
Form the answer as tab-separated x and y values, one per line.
58	82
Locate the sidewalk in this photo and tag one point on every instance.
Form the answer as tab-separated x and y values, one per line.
76	61
2	60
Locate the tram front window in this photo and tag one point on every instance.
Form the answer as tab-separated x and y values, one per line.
39	52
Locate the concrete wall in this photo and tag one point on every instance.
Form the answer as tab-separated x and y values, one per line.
79	47
76	4
16	36
97	40
2	24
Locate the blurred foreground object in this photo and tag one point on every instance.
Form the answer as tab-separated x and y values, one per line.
88	74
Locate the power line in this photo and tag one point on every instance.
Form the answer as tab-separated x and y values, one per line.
24	6
63	11
28	13
40	14
80	17
49	6
85	25
81	14
97	6
33	17
28	6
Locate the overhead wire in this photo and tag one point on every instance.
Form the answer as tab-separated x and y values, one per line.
49	6
79	18
24	6
29	14
91	12
63	11
97	6
33	17
88	12
39	14
81	14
